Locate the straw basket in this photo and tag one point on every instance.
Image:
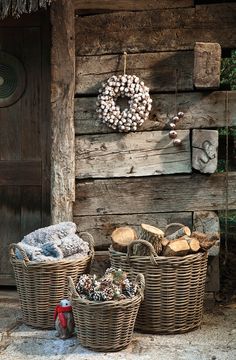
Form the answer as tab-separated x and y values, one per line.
107	325
41	285
174	290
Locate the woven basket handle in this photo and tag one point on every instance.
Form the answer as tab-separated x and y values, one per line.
12	252
71	287
89	238
152	252
140	280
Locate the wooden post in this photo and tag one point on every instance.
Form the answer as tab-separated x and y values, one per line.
207	60
62	111
205	150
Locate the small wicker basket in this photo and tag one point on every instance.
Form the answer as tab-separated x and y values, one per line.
174	291
108	325
41	285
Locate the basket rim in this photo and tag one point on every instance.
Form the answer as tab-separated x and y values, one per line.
157	257
49	262
106	303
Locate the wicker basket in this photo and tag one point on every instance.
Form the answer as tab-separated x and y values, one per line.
106	326
174	291
41	285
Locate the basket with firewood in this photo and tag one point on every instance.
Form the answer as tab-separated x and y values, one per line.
174	263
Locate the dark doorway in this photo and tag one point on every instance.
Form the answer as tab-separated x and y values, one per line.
24	131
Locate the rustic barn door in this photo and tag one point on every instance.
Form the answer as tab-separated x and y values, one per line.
24	128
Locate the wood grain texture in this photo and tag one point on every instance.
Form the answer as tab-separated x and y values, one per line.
133	5
207	63
201	110
157	70
101	227
133	154
10	228
20	173
205	150
62	105
157	30
154	194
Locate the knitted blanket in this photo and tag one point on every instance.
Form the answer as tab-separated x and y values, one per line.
54	242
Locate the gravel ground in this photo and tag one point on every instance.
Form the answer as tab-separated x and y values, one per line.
216	339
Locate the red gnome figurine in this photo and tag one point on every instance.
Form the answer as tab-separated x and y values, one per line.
64	321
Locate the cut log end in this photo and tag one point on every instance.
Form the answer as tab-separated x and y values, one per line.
122	237
177	248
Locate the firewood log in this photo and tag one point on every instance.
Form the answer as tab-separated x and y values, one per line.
207	240
122	237
179	247
172	227
179	233
193	243
153	235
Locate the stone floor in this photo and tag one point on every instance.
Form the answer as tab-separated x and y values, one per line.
216	339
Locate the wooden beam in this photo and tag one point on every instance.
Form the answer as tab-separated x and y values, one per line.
133	154
62	107
205	150
133	5
201	110
207	62
157	30
157	70
101	227
154	194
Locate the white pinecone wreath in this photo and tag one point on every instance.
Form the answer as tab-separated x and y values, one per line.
139	102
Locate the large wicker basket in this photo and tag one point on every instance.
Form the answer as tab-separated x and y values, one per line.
174	290
108	325
41	285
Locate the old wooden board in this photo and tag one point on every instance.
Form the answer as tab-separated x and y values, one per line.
132	5
132	154
157	70
207	62
154	194
62	99
101	227
201	110
205	150
157	30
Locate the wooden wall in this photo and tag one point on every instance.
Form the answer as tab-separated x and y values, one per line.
141	177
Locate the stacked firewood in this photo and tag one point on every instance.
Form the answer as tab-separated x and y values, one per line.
176	240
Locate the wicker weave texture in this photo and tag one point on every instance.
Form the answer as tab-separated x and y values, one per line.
174	289
105	326
41	285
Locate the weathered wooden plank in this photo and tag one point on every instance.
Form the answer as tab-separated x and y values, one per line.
205	110
157	70
62	111
101	227
133	5
157	30
213	274
151	194
31	214
10	199
205	150
132	154
20	172
207	62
